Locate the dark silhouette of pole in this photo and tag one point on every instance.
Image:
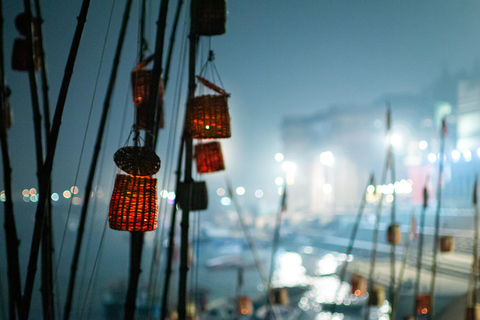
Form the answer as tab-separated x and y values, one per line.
93	164
11	239
172	40
420	250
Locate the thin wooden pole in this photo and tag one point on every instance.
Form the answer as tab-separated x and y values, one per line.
475	249
93	164
172	40
276	237
437	218
11	239
420	250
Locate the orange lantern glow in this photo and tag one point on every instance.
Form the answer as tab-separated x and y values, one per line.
244	306
393	234
447	244
198	192
133	206
358	285
208	117
20	55
211	17
209	157
423	303
141	82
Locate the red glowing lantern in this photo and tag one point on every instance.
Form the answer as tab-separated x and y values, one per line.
211	17
20	55
198	194
208	117
358	285
133	206
424	303
209	157
244	306
141	83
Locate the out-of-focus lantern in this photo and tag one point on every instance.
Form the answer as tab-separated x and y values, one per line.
473	313
358	285
377	296
394	235
133	206
209	157
198	195
20	55
22	24
279	296
211	17
141	83
207	115
244	306
447	244
423	303
410	317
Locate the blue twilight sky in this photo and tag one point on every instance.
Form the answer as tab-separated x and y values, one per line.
278	58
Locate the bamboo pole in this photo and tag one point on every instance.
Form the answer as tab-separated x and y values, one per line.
437	218
172	40
276	236
93	164
475	247
420	250
11	239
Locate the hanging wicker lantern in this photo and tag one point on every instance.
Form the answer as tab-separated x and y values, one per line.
209	157
279	296
137	161
173	316
473	313
133	206
208	117
211	17
199	195
423	303
22	24
394	235
244	306
358	285
447	244
377	296
20	55
141	83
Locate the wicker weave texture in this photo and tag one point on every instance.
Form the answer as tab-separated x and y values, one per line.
141	80
209	157
133	206
137	161
208	117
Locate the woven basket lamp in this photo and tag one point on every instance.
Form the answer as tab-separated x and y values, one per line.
22	24
423	303
141	82
133	206
394	236
20	55
358	285
211	17
447	244
199	195
208	117
473	313
209	157
377	296
279	296
244	306
137	161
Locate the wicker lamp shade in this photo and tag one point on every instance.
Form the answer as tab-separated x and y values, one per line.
394	235
279	296
133	206
447	244
244	306
22	24
137	161
20	55
424	303
199	195
211	17
473	313
208	117
209	157
358	285
377	296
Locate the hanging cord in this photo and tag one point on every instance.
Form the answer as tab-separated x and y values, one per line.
353	236
84	141
437	217
392	221
377	223
420	249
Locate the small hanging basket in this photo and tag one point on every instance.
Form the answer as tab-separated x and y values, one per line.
209	157
358	285
473	313
244	306
424	303
208	117
133	206
447	244
377	296
141	83
394	235
199	195
20	55
137	161
22	24
211	17
279	296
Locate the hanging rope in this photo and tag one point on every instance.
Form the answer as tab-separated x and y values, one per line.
392	222
420	248
437	217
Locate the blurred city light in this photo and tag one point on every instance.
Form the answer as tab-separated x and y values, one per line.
327	188
432	158
240	191
67	194
423	145
259	194
279	157
396	140
467	154
220	192
225	201
279	181
455	155
55	196
327	159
